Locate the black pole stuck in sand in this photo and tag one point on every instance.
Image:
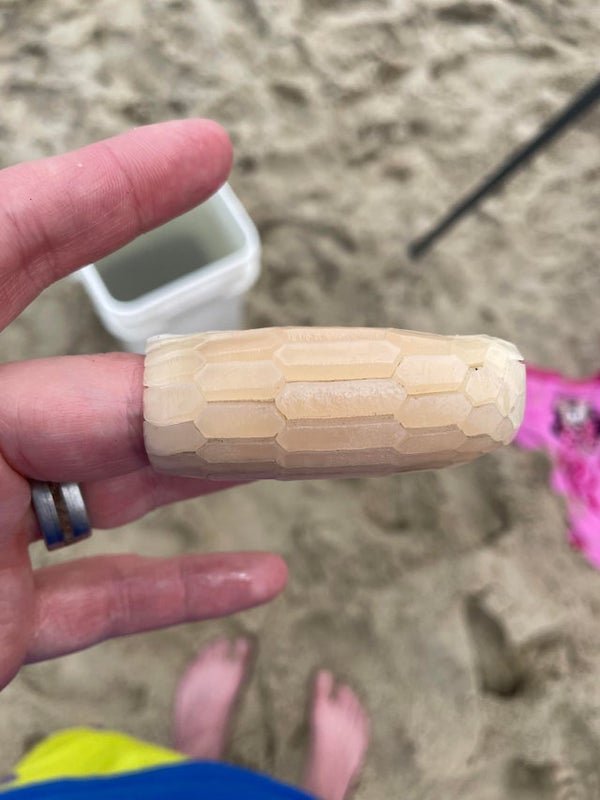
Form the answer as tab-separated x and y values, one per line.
581	103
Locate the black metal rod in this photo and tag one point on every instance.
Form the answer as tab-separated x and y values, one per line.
581	103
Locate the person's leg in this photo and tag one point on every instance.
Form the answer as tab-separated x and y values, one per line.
206	696
339	739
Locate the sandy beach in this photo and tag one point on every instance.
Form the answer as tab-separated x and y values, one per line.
451	600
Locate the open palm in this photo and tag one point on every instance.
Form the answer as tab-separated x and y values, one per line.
79	418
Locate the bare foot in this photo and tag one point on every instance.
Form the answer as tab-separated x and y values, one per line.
338	741
205	698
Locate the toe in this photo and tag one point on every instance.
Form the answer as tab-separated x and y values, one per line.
362	720
204	655
346	696
218	648
323	685
241	649
366	725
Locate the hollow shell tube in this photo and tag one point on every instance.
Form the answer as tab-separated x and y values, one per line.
289	403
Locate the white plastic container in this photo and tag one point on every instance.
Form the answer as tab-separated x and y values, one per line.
190	274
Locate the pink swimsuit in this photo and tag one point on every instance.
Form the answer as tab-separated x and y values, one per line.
562	417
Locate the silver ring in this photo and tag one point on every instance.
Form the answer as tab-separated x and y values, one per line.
61	513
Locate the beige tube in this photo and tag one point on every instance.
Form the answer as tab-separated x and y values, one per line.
290	403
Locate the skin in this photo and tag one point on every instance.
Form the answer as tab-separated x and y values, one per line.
206	700
80	418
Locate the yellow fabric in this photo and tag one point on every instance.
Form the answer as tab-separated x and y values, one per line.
83	752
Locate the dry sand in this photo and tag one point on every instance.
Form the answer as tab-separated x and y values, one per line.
355	124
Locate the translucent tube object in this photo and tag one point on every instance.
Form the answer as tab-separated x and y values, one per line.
291	403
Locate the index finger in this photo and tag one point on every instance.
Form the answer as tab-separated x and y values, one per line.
80	418
60	213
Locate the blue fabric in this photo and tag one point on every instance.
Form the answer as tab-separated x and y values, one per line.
197	780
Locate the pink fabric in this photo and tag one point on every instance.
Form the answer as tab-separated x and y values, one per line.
562	417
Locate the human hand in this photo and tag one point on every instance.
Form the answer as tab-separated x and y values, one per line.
79	418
